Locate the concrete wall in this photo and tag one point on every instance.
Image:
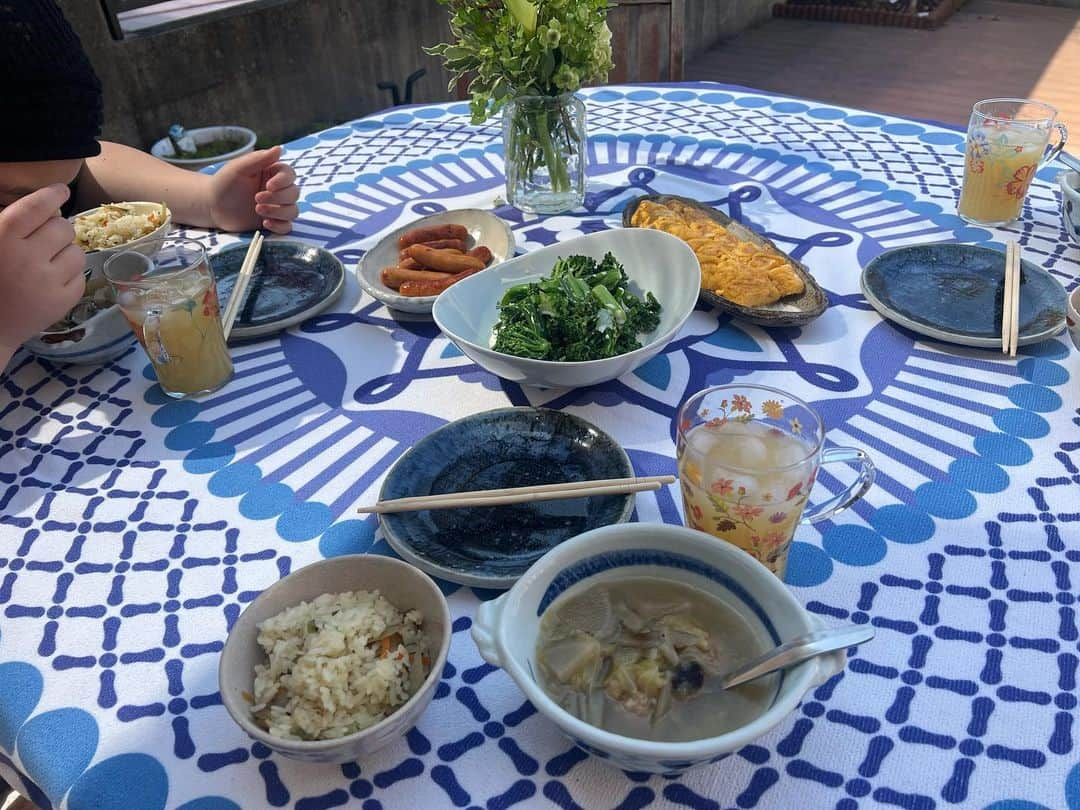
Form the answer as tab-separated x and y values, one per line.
281	68
287	67
710	21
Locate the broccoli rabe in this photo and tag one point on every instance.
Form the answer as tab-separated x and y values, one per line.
583	311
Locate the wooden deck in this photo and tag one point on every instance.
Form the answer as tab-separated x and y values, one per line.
988	48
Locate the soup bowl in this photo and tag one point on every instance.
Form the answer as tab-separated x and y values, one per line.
1072	317
506	629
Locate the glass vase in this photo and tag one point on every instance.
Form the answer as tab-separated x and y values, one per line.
544	142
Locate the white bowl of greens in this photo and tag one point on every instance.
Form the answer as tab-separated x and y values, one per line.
565	315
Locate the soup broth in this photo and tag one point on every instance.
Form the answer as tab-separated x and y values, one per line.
643	657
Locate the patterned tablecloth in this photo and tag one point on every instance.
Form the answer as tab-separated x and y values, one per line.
135	529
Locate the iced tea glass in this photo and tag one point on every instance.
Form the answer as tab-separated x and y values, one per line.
1007	141
748	456
170	301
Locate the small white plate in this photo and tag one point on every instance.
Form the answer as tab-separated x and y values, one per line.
484	229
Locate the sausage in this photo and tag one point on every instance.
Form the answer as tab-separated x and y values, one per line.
431	233
444	260
412	264
394	277
439	244
481	252
423	288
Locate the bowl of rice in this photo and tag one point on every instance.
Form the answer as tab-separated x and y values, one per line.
338	659
107	229
94	331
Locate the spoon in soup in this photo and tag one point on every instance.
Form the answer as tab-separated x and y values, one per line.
799	649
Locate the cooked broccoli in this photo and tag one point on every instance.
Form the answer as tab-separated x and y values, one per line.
583	311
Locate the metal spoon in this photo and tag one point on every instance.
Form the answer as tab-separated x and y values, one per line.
798	650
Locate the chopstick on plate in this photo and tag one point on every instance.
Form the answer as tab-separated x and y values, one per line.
541	492
242	279
1010	307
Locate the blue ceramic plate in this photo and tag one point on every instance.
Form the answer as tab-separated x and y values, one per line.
291	282
953	293
491	547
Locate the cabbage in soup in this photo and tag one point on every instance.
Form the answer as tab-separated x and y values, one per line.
642	658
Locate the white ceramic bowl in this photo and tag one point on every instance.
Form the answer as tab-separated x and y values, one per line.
1070	204
1072	317
505	630
97	340
654	261
107	334
484	229
407	587
164	149
148	245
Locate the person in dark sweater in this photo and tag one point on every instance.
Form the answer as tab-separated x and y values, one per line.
52	164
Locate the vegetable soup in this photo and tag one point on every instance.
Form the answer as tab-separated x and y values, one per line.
643	658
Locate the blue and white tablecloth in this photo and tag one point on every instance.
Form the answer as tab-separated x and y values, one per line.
135	529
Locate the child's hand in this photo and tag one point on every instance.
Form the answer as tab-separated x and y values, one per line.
254	190
41	269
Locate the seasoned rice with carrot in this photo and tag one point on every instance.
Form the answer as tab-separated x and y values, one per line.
337	665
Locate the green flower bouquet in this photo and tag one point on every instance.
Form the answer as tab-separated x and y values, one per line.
527	59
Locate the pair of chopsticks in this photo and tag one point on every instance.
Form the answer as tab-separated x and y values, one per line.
242	279
499	497
1010	306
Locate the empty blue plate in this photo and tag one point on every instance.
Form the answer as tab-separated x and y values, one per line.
490	547
291	282
954	293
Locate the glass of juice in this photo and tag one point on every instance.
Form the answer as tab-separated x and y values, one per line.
748	458
170	300
1008	139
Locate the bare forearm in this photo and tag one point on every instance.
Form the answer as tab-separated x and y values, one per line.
121	173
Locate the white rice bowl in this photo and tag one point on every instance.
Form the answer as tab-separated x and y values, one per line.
333	667
116	224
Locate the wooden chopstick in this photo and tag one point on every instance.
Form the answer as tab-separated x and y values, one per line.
1014	314
1010	301
240	287
541	492
1006	298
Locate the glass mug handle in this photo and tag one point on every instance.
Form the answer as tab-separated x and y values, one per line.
1053	151
152	337
837	503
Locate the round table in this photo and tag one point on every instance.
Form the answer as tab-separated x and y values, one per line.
134	529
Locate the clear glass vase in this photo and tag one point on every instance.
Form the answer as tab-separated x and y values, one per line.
544	142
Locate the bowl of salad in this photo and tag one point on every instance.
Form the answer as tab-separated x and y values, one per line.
577	313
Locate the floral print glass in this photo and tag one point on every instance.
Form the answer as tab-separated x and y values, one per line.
1007	141
748	458
170	301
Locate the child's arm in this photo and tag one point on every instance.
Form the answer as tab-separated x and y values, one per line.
251	191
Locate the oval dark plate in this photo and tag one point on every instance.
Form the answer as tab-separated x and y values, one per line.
491	547
291	282
953	293
794	310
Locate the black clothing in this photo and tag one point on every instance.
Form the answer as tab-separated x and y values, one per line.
51	102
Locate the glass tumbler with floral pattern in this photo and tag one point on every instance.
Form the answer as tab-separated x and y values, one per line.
748	458
170	301
1007	141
